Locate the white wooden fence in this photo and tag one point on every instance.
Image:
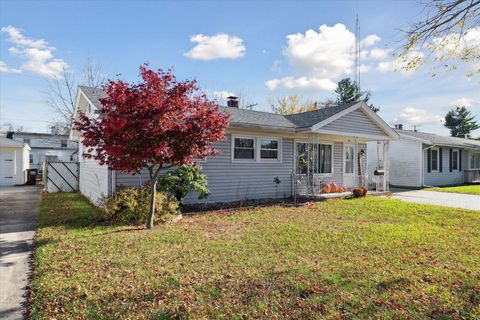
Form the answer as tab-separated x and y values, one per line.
61	176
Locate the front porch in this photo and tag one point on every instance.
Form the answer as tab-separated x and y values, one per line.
327	168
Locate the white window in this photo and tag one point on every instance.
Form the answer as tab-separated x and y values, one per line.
269	149
63	143
348	159
434	161
26	141
320	157
475	161
244	149
30	158
455	160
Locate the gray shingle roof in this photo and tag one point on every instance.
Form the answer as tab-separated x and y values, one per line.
254	118
93	94
310	118
259	118
436	139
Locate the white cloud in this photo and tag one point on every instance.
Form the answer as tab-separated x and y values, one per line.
37	54
4	68
18	39
369	41
418	117
380	54
219	46
461	102
222	95
305	83
320	59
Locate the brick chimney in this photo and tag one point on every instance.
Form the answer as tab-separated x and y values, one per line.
232	102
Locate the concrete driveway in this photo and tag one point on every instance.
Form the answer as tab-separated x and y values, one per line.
447	199
19	207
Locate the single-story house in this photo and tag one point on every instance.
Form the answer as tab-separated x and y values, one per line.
46	147
304	151
14	157
419	159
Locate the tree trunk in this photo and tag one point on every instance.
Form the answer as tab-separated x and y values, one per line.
153	191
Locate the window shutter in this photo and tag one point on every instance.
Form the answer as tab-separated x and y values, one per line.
429	160
459	160
451	167
440	165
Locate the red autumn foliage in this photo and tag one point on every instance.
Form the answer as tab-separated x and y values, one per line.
152	123
160	120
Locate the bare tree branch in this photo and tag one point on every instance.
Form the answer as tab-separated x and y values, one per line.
60	92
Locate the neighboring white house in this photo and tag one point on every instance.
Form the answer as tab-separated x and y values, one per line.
420	159
13	162
305	151
46	147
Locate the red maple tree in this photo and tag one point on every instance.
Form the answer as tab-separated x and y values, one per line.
155	124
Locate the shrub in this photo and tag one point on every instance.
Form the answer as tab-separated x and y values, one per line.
183	180
131	205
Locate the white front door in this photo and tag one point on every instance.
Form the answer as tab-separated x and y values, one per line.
7	168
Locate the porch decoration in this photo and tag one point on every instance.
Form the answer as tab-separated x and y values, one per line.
360	192
277	181
333	188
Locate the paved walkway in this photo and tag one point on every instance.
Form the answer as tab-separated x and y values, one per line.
19	207
447	199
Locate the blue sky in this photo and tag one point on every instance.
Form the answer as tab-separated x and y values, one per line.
255	49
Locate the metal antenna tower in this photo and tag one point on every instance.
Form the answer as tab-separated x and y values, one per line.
356	75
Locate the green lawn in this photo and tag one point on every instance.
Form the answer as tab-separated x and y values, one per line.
372	258
468	189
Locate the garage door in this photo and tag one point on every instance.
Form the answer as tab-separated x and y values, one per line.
7	168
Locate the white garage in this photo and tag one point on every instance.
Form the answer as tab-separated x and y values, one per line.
14	161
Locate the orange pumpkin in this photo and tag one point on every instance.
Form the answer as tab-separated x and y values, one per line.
334	187
326	188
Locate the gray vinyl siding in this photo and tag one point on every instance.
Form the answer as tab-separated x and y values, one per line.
338	162
235	181
445	177
355	122
94	180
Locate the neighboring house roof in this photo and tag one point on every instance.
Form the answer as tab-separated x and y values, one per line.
305	121
93	94
5	142
10	134
435	139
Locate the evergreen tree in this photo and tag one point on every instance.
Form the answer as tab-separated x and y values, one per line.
461	122
348	91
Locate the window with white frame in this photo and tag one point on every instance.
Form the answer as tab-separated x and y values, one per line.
455	160
26	141
63	143
434	161
30	158
244	149
475	161
319	156
269	149
348	159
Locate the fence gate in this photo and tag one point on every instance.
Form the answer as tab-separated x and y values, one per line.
62	176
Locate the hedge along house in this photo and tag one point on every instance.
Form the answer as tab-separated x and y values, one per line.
303	152
421	159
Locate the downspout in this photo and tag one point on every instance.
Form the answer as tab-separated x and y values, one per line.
423	167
